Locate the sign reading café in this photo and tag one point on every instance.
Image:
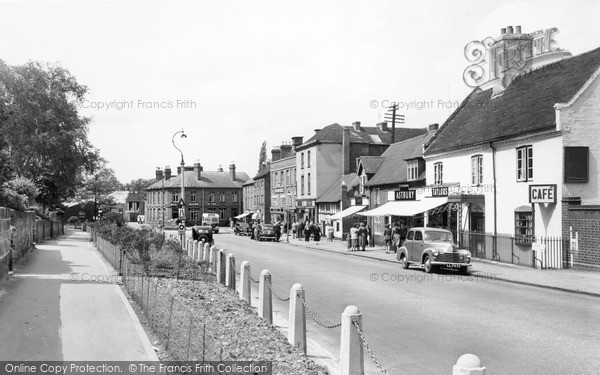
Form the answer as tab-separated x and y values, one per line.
542	193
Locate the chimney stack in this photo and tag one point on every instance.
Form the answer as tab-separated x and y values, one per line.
275	154
232	170
518	29
503	31
383	126
509	30
286	149
297	141
167	172
198	170
346	151
356	125
159	174
220	168
433	127
317	130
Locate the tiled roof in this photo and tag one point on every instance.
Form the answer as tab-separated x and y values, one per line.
249	182
525	106
367	134
393	168
371	163
334	192
208	179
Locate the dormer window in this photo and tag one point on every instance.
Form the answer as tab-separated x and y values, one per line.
412	170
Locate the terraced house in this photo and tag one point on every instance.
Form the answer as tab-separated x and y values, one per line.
217	192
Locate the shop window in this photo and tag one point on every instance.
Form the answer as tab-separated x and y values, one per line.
524	225
438	174
412	170
477	170
525	163
576	164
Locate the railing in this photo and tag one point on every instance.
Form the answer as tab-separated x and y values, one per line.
509	249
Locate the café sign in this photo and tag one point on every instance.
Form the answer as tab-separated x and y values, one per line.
542	193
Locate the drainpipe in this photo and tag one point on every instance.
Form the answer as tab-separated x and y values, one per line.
495	242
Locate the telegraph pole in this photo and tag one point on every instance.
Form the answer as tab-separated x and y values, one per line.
393	117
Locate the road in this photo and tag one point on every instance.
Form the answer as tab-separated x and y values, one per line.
421	324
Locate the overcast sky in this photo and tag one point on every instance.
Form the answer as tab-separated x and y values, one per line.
249	71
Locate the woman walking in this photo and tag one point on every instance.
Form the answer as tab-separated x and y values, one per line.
387	237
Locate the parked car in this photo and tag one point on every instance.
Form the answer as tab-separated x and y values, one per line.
431	248
242	229
205	232
266	232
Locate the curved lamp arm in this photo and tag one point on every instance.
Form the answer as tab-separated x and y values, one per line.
173	141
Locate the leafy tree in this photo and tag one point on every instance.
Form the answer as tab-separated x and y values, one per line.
42	135
24	186
97	185
262	157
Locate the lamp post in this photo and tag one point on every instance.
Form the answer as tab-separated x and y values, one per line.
182	214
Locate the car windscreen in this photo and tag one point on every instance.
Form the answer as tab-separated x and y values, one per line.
434	235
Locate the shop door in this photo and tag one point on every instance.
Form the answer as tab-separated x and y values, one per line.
477	234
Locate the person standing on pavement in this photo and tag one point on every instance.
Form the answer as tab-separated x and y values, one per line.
354	237
294	229
396	237
13	232
387	237
362	236
329	233
277	231
403	233
308	230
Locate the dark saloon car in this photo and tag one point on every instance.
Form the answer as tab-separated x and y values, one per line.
431	248
266	232
242	229
200	232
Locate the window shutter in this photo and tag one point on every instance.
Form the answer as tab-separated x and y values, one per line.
576	164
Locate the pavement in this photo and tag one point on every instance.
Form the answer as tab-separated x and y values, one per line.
568	280
64	304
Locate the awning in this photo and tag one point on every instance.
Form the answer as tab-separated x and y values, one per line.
347	212
406	208
242	215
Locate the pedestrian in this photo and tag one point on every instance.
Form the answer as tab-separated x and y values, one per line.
329	233
251	229
277	231
396	237
370	241
308	230
11	251
387	237
294	229
317	233
354	237
403	233
301	227
362	236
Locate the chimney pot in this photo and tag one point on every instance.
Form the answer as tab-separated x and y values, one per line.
220	168
167	172
503	30
297	141
275	154
518	29
356	125
198	170
509	30
232	170
383	126
159	174
433	127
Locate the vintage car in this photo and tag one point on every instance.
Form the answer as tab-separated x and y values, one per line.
431	248
266	232
242	229
200	232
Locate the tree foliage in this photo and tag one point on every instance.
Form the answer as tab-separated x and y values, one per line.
42	135
262	157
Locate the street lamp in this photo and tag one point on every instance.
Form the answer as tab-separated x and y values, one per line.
182	171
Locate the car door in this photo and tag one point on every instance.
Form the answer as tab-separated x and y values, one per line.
408	244
417	247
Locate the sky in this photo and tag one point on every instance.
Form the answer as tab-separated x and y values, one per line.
233	74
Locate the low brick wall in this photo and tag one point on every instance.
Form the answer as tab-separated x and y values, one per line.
585	220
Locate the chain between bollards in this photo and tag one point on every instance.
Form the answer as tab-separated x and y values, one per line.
268	280
314	318
367	347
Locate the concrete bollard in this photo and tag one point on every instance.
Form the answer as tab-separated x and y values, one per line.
212	259
190	252
297	321
245	286
351	346
468	364
230	272
220	269
195	247
205	252
265	304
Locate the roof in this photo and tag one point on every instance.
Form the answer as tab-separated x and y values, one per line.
334	191
393	168
371	163
367	134
263	172
208	179
249	182
525	106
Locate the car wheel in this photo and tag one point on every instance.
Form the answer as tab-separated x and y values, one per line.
427	264
463	270
404	261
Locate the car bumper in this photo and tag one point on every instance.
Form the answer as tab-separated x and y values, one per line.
451	265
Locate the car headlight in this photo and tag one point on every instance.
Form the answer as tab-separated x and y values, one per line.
435	253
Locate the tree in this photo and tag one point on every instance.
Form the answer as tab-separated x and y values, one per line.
24	186
41	130
98	184
262	157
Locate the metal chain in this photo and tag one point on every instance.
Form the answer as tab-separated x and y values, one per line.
233	266
252	278
367	347
268	279
313	317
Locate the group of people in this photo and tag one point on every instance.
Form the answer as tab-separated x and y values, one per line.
394	236
307	230
359	236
